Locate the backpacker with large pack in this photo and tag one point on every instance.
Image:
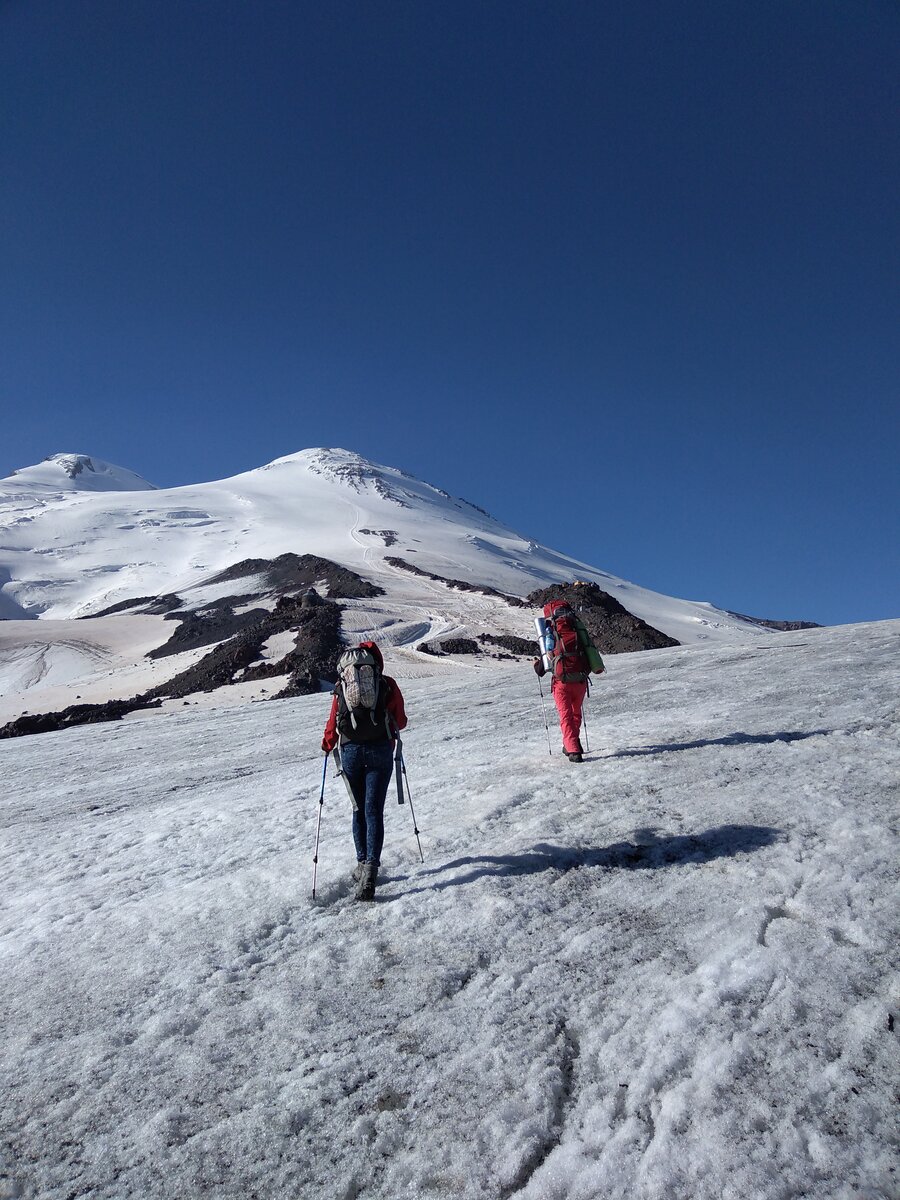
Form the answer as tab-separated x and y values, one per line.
362	698
566	647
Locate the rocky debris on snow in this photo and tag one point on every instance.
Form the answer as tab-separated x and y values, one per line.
216	669
317	647
271	576
613	629
781	626
459	584
206	626
72	464
151	605
388	536
449	646
314	657
240	638
355	472
468	503
75	714
290	572
508	641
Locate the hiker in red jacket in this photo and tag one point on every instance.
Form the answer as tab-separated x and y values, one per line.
366	713
570	655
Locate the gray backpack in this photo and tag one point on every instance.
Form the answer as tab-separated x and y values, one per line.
362	709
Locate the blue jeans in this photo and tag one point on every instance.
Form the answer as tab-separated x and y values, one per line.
368	767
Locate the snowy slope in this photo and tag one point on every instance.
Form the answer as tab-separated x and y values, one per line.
73	554
46	666
668	974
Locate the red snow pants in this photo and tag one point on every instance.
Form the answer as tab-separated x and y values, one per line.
569	699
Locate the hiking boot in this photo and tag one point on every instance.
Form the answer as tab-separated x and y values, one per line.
357	871
368	877
573	755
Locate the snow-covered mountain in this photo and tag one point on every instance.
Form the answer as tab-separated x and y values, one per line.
72	473
663	974
71	552
79	538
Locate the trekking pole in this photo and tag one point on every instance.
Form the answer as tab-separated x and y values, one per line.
544	711
587	740
398	768
336	755
319	825
401	772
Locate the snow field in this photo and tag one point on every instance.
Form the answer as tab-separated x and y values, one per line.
48	665
665	973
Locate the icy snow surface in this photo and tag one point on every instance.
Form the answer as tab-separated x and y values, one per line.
664	973
48	665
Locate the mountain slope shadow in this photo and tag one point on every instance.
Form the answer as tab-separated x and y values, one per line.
730	739
649	852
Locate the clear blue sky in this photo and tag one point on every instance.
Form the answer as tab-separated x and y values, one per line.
625	273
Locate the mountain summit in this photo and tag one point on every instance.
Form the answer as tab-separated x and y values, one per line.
69	553
74	472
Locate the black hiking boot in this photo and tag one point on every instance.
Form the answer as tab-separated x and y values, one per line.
573	755
357	872
368	877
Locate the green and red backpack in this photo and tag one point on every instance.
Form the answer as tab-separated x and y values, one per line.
574	656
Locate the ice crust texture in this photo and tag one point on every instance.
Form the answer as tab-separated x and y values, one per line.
666	974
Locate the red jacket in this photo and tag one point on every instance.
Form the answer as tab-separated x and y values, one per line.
393	703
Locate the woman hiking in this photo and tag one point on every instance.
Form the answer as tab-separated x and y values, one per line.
568	653
366	713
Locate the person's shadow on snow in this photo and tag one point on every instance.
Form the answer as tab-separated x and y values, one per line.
730	739
648	851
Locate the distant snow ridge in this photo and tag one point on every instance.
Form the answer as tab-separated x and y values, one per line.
358	473
78	472
72	464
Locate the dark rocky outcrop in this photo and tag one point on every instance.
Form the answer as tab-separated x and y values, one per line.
241	637
459	584
613	629
781	626
508	641
75	714
388	536
277	577
316	650
216	669
449	646
291	572
206	626
154	605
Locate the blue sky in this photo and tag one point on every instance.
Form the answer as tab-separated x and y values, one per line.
625	274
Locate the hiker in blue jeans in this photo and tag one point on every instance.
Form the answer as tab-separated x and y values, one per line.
366	712
368	767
